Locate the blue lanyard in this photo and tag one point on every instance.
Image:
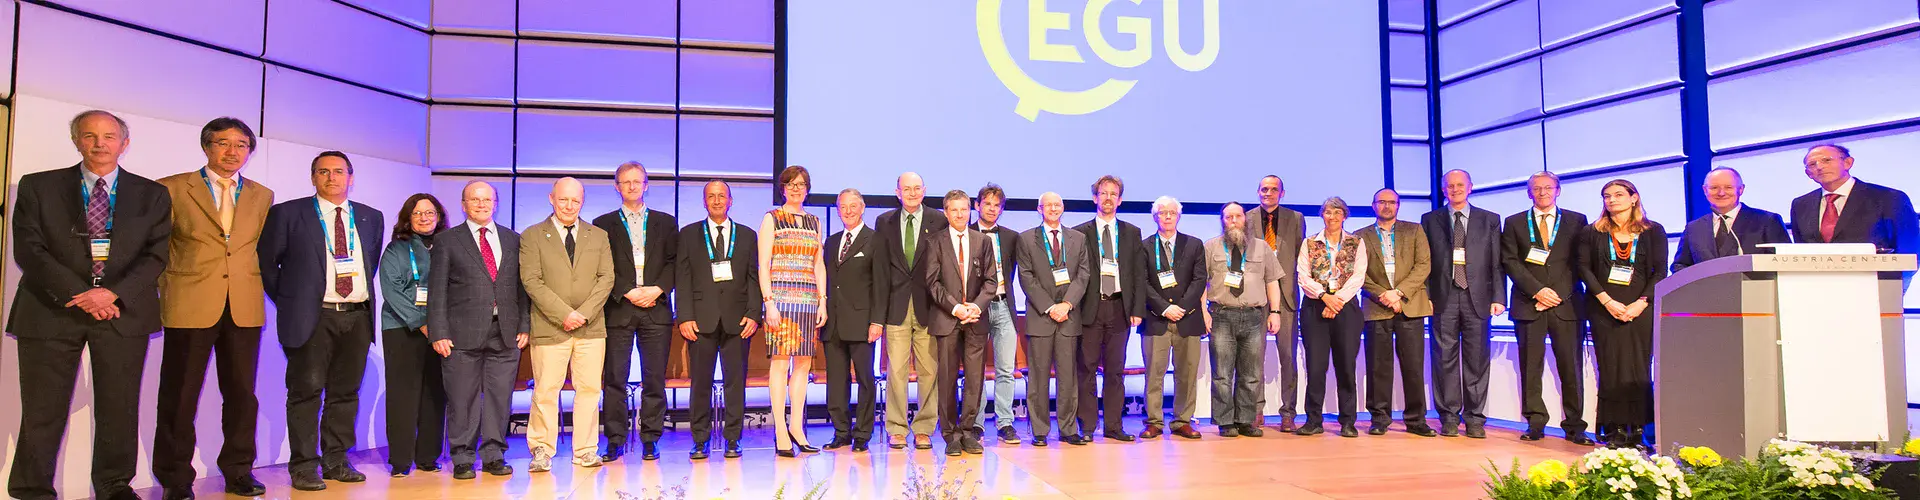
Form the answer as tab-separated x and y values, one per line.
238	185
1333	247
643	231
1533	234
1386	236
413	263
705	227
1048	243
1161	244
113	198
351	233
1633	252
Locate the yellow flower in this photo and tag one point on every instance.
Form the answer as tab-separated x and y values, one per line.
1912	448
1548	472
1009	497
1700	456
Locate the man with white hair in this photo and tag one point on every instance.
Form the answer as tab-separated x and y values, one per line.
567	269
1176	276
904	233
1054	273
1244	304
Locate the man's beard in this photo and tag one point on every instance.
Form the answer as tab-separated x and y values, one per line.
1236	237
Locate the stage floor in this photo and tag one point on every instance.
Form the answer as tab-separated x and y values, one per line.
1397	465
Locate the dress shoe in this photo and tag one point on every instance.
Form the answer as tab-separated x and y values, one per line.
1040	441
1151	432
699	452
784	453
896	442
1185	431
464	471
1348	430
246	486
1009	436
343	473
308	480
1252	431
1311	428
1118	436
922	442
614	452
396	472
1448	430
859	447
1076	440
1286	424
972	446
800	443
953	448
1377	429
838	443
498	468
541	462
434	467
1580	438
1476	432
1229	431
649	451
180	494
733	449
1422	431
1533	435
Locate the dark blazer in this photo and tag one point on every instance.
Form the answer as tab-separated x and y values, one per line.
1189	266
1484	272
1751	228
716	308
1558	273
1873	214
1649	265
901	281
459	293
854	301
662	251
51	245
293	264
1127	250
949	288
1009	247
1036	279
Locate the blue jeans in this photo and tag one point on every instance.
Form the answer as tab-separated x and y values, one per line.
1004	340
1238	345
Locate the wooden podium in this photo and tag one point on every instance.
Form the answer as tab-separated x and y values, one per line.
1805	344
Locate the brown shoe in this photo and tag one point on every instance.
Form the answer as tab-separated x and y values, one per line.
922	442
1286	425
896	441
1185	431
1152	432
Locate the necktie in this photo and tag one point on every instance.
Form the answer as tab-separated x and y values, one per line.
486	256
1166	262
1058	261
912	239
97	213
1271	219
960	251
846	243
1234	261
1459	243
1546	240
342	284
1109	285
1723	245
226	205
1830	218
719	234
569	243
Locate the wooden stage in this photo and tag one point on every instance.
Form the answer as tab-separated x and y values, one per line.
1397	465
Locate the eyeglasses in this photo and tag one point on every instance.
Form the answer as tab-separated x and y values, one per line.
426	213
231	145
631	183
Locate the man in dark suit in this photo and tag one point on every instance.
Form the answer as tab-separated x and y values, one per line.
1465	286
645	246
1001	336
718	302
90	262
855	302
1283	229
478	320
1398	261
961	281
1112	308
1054	271
1847	210
1174	278
316	258
1538	249
904	233
1732	229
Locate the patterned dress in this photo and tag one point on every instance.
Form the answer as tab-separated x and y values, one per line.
796	242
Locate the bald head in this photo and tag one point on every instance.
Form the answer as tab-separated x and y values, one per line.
567	196
910	190
1051	207
1723	189
477	200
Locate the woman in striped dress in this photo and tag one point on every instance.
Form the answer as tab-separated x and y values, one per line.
793	274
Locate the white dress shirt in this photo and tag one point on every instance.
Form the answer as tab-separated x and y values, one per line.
492	238
959	238
724	230
353	242
1347	288
1734	214
1846	193
1112	225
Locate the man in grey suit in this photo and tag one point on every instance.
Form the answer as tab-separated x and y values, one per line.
1054	271
1282	229
1465	283
961	280
477	320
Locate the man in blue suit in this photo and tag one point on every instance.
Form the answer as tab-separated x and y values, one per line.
1732	229
1848	210
316	257
1465	284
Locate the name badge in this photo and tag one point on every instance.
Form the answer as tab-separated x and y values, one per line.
346	266
1166	279
639	264
1234	279
420	296
722	271
1060	277
1620	275
1537	255
99	248
1109	267
1459	255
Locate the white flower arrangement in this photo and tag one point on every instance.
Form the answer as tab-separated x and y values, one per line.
1814	467
1629	474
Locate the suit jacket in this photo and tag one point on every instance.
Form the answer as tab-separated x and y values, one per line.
1291	231
209	272
1189	266
294	269
904	284
1873	214
1558	273
1751	228
1484	273
462	299
716	308
1412	262
1649	267
557	287
1009	246
1036	278
853	298
1127	252
51	246
663	248
950	288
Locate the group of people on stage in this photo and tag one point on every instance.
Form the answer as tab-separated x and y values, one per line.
197	253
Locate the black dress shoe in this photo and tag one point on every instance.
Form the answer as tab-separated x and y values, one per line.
1476	432
953	448
838	443
1252	431
1422	431
699	452
1377	429
614	452
1449	431
463	471
805	448
860	447
1580	438
649	451
784	453
343	473
1040	442
1009	436
498	468
308	480
434	467
733	449
1076	440
1119	436
1311	428
1533	435
1229	431
245	486
1348	430
180	494
972	446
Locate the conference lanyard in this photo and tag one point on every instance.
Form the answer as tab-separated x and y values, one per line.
1048	244
323	227
643	227
1163	244
705	231
1533	235
113	198
238	184
1386	236
413	264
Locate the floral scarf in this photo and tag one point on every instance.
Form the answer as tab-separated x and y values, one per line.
1335	270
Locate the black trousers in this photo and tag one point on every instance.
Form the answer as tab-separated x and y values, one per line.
652	340
48	370
1460	362
727	352
1103	347
959	352
235	353
850	359
1568	342
416	399
479	398
1335	340
328	368
1404	338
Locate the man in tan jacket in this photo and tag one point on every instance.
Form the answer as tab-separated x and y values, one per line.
1396	305
212	306
566	266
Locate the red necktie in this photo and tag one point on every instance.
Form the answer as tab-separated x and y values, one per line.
342	284
486	255
1829	218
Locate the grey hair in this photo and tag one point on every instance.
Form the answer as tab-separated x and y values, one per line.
1737	179
73	127
845	192
1549	175
1166	202
1334	203
631	165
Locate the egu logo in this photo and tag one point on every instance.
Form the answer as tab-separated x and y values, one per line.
1034	97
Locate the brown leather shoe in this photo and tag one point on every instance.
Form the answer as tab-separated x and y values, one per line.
1185	431
896	441
922	442
1152	432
